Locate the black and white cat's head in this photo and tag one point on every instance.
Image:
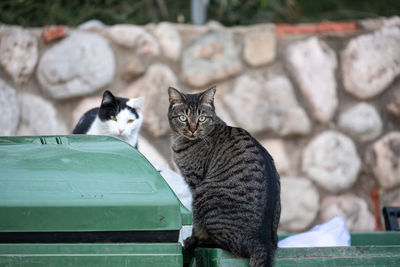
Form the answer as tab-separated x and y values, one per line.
191	115
121	117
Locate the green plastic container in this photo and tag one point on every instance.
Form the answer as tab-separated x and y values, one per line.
95	191
367	249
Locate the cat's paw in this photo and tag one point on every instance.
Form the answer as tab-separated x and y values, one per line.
190	242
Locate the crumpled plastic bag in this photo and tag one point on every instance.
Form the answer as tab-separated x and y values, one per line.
182	191
333	233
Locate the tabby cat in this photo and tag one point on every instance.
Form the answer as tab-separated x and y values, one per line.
233	180
116	116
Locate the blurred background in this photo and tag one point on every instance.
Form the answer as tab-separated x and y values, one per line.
316	82
33	13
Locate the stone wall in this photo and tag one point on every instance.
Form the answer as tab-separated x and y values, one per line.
325	101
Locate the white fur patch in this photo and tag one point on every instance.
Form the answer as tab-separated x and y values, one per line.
136	102
121	128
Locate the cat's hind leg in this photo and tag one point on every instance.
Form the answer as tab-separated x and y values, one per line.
199	238
262	257
191	242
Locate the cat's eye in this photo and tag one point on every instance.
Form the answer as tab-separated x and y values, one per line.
113	118
130	121
182	118
202	118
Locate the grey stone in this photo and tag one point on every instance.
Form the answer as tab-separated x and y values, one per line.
371	24
214	25
210	58
353	209
136	37
259	47
9	108
384	159
221	110
38	117
91	25
79	65
392	22
84	105
300	203
313	64
267	106
18	53
276	148
331	160
394	102
134	68
190	33
362	122
169	39
153	85
371	62
389	198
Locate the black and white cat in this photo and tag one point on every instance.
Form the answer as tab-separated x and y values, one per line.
118	117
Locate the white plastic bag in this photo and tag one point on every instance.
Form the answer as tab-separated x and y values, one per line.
333	233
182	191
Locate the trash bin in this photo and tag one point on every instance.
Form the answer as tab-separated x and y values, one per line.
367	249
84	200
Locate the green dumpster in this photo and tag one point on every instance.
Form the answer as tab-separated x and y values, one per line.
367	249
85	201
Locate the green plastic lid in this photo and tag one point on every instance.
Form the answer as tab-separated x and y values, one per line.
82	183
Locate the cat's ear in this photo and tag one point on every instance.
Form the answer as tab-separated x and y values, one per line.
108	98
207	97
175	97
136	102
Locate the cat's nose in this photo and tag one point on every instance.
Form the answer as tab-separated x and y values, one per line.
192	130
120	131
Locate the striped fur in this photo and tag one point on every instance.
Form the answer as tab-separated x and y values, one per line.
233	179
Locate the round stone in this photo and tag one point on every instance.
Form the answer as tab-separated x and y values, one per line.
10	108
91	25
274	97
38	117
153	85
353	209
169	39
136	37
300	203
276	148
331	160
307	58
259	47
79	65
362	122
18	53
384	159
371	62
210	58
394	102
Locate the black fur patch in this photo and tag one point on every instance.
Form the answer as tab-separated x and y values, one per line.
114	107
86	121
